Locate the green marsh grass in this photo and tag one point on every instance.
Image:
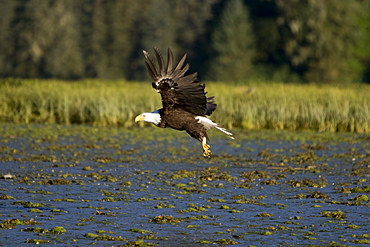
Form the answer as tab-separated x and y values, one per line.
344	108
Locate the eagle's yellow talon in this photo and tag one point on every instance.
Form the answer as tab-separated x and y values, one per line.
206	149
207	153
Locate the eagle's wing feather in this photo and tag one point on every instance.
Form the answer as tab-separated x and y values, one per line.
150	65
176	89
169	61
160	61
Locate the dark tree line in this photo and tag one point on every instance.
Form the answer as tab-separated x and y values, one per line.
228	40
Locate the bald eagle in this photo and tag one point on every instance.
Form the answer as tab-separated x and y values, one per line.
184	100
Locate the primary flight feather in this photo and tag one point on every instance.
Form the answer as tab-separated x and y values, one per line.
184	101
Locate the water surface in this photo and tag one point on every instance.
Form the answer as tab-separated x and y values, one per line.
148	186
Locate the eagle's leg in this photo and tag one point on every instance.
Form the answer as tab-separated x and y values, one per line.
206	148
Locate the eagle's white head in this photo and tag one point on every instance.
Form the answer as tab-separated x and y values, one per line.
150	117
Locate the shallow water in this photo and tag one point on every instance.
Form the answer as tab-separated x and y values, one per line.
152	186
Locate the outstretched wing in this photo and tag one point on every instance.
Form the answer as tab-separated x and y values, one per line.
177	89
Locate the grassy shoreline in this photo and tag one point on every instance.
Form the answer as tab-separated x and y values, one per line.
278	106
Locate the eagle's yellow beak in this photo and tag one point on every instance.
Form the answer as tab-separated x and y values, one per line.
139	118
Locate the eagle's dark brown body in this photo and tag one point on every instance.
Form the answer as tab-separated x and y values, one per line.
182	120
184	100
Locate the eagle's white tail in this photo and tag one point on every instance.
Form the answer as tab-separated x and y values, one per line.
225	131
207	123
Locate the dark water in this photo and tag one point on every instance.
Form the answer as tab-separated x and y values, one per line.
149	186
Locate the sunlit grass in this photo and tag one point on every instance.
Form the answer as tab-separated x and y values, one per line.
294	107
257	106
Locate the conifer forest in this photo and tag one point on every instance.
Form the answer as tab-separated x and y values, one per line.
226	40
